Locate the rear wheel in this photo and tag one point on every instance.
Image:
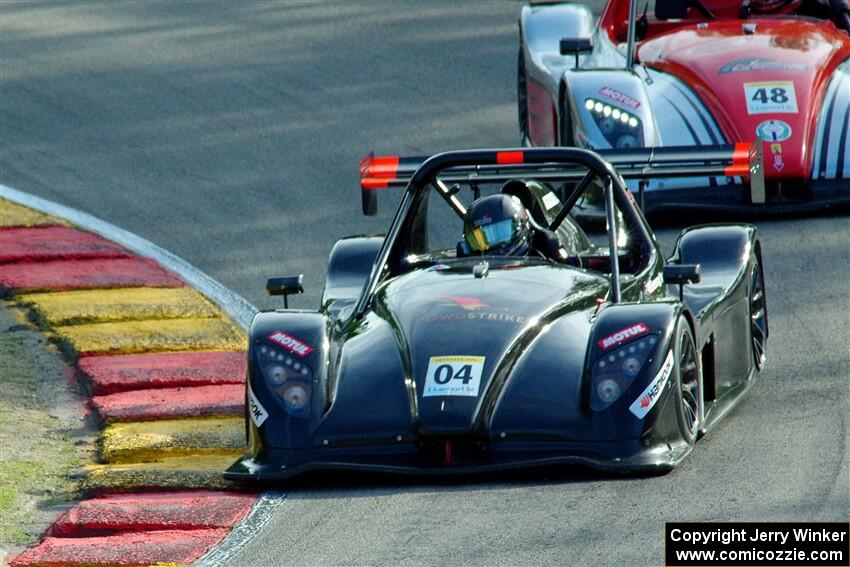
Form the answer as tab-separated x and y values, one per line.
688	382
758	315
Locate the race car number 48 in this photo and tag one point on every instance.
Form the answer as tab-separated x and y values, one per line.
453	376
768	97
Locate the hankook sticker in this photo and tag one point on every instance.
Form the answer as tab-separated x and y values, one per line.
646	400
453	376
256	409
770	97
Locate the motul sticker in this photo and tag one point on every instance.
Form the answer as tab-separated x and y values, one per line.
291	344
770	97
623	98
646	400
256	409
453	376
623	335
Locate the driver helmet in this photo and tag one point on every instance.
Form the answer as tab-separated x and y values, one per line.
497	225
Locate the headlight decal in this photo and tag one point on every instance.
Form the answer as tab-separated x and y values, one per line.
614	372
288	377
647	399
621	128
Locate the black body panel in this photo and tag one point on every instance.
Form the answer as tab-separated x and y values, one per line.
436	366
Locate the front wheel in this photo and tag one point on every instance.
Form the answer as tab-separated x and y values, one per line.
687	374
758	316
522	96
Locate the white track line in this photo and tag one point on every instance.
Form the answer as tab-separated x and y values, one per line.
236	307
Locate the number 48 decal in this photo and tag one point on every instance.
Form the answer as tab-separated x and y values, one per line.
772	97
777	94
453	376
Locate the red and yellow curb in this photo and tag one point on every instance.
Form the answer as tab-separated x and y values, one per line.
120	373
166	370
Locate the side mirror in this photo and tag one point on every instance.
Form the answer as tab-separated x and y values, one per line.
681	274
285	286
575	46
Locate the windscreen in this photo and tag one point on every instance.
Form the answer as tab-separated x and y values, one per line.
580	239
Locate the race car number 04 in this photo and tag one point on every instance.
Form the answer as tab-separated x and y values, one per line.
453	376
764	98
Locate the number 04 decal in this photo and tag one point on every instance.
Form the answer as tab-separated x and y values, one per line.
765	98
453	376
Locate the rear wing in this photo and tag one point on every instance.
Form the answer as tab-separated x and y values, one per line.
738	160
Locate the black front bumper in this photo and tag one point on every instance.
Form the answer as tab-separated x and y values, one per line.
463	458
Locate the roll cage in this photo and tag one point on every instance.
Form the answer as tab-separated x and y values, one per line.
445	171
479	166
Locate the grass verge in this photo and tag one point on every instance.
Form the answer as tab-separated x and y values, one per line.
43	435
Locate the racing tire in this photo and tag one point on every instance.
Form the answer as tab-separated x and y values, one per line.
566	138
687	382
522	96
758	315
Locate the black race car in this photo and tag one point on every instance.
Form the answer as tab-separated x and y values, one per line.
578	344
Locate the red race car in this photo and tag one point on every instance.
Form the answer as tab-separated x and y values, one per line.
703	73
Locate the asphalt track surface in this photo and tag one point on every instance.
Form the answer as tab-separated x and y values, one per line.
230	134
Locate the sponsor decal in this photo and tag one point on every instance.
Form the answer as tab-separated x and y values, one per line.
466	302
623	98
497	316
550	201
776	150
653	284
647	399
773	131
291	343
453	376
486	219
256	409
749	64
771	97
623	335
